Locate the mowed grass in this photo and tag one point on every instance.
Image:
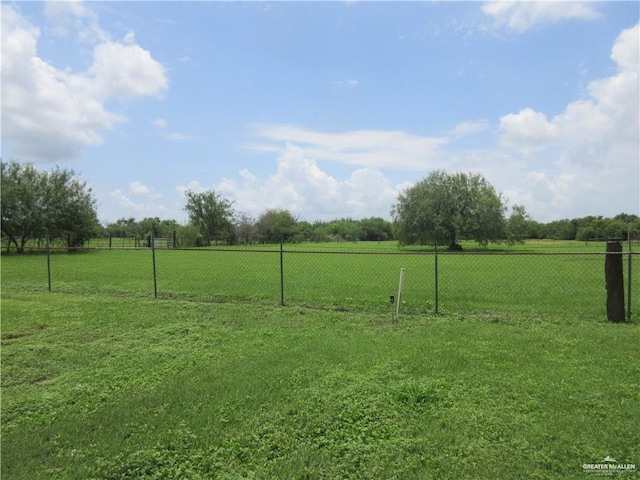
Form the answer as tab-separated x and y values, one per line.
566	279
110	387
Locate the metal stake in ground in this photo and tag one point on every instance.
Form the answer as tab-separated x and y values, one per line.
400	288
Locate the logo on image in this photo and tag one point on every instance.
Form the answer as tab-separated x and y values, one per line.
608	467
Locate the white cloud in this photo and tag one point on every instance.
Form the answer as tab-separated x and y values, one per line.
626	50
49	114
139	189
193	186
469	128
139	209
520	16
129	38
609	116
73	16
122	199
160	123
301	186
123	71
544	194
179	136
346	84
138	201
371	148
247	175
593	144
526	129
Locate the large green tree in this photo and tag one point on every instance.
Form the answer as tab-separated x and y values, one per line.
446	207
376	229
211	213
343	229
518	225
55	204
275	225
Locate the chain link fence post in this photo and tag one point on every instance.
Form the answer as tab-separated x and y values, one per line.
49	261
629	261
282	270
435	255
153	259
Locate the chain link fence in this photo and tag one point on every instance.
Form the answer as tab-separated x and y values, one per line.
485	283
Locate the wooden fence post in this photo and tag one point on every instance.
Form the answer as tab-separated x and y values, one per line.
614	282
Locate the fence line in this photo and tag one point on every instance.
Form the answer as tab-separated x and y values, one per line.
563	283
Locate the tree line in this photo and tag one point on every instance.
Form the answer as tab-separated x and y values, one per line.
442	208
273	226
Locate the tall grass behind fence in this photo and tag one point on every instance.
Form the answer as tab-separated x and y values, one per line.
566	284
219	275
109	271
357	280
557	284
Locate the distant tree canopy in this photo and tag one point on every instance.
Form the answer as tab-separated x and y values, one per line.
39	205
275	225
211	213
245	229
517	226
446	207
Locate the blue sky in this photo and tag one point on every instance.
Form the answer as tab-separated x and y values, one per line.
328	109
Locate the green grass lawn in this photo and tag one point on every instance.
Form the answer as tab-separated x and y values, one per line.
119	387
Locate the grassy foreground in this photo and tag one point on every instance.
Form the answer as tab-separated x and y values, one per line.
118	387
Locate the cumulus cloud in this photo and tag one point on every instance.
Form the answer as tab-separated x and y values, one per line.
139	189
122	71
301	186
594	142
193	186
609	114
526	128
139	200
129	207
50	114
64	18
521	16
160	123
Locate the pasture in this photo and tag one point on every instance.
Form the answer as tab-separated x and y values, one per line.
519	377
559	278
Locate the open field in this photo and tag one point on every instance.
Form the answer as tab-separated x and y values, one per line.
117	387
565	279
541	245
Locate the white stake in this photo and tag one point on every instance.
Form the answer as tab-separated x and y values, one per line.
400	287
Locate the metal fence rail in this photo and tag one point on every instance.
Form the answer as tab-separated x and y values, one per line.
564	284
